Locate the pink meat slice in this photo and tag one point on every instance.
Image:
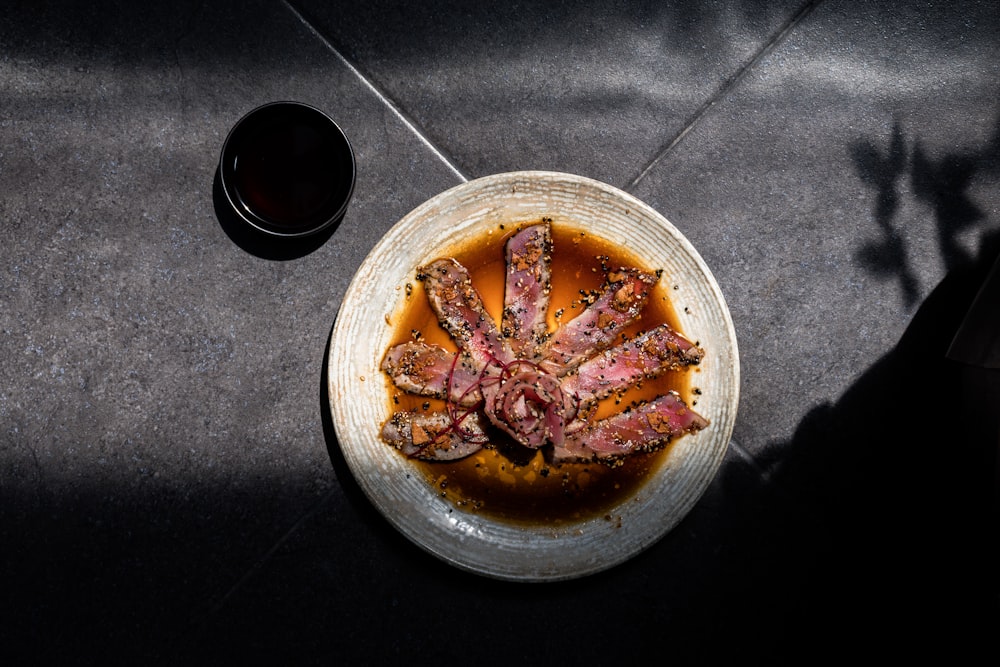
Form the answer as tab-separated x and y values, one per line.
460	311
526	290
531	407
435	436
645	357
430	370
645	428
597	327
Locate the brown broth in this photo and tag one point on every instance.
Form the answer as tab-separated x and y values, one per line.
511	482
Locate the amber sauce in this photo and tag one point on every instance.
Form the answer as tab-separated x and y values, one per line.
510	482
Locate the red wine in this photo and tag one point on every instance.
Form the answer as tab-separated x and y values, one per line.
287	174
289	168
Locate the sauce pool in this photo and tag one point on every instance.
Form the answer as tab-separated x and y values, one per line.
511	482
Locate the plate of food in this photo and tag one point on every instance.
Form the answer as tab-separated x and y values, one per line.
533	376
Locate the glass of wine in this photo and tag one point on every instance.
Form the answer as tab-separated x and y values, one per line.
287	170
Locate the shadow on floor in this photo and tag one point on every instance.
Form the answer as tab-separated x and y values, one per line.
872	532
877	529
940	182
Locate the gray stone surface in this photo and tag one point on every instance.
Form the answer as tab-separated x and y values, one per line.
170	489
592	88
159	397
812	190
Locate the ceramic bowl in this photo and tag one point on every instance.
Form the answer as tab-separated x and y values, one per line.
359	394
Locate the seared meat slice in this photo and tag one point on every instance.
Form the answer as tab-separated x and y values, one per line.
645	357
541	389
530	405
435	436
622	299
430	370
645	428
526	291
461	312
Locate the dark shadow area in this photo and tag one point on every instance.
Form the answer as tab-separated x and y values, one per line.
105	575
887	256
942	183
878	526
871	534
876	531
259	243
117	30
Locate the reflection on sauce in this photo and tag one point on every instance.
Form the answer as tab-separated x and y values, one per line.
511	482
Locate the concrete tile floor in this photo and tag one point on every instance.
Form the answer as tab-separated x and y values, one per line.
166	489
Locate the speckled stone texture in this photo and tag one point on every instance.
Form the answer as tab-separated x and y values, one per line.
170	486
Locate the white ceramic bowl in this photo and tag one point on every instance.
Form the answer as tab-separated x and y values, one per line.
359	399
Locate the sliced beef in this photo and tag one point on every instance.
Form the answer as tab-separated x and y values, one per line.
526	290
461	312
435	436
620	301
644	428
645	357
431	370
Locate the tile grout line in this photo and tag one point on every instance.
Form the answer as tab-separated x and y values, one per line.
727	86
409	123
253	569
749	459
383	97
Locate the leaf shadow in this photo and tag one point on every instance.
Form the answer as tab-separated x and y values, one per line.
942	183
